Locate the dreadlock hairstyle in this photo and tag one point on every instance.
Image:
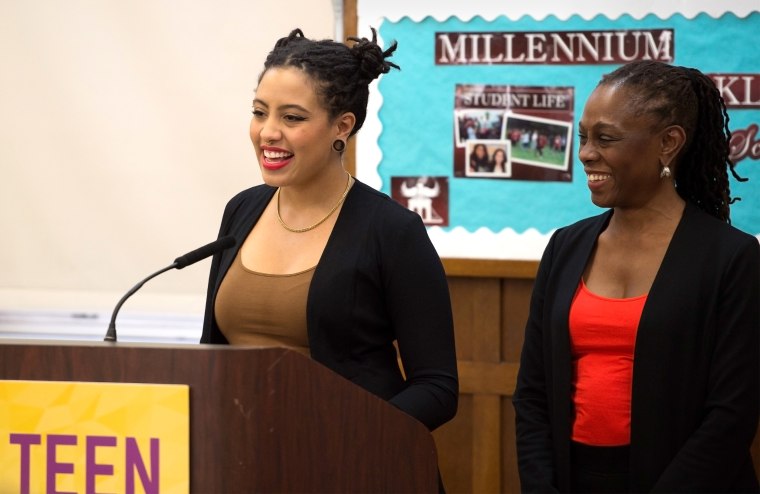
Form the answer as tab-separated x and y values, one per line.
341	74
686	97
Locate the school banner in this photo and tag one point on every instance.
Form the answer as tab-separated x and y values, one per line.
69	437
478	131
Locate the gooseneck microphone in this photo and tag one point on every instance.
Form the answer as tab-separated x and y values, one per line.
182	261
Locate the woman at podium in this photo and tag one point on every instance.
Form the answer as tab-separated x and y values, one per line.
324	263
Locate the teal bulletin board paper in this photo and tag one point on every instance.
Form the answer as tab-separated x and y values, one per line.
417	120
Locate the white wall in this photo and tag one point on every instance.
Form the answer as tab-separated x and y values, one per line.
123	132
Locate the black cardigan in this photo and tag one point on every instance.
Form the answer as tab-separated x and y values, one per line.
694	404
379	279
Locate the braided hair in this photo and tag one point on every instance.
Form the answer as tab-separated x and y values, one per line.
341	74
686	97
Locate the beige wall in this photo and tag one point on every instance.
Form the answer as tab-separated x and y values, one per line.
123	132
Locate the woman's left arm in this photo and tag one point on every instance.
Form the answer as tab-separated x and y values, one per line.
417	298
719	448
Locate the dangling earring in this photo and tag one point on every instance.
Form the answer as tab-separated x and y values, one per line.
339	145
665	173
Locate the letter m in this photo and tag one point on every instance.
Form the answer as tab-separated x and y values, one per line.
452	54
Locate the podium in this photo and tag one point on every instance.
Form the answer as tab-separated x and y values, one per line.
261	419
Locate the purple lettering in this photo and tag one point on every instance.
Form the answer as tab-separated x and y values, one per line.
136	466
53	467
135	462
25	441
93	469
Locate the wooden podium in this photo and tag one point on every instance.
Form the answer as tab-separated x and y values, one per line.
261	419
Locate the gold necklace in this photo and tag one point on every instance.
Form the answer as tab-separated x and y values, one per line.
334	208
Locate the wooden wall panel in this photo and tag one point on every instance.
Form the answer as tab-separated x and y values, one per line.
475	434
455	449
476	449
515	302
510	480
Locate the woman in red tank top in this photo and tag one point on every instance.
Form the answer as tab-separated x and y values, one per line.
640	370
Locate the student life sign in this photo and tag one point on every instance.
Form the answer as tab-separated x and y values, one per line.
75	437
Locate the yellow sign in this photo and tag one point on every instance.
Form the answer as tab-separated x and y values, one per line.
74	437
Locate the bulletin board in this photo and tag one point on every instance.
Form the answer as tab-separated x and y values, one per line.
477	132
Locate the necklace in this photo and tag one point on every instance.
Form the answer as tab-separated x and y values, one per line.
334	208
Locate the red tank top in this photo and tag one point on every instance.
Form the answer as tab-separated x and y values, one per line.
602	342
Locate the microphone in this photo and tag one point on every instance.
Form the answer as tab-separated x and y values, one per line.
182	261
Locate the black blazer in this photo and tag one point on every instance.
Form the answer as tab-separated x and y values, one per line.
379	279
696	375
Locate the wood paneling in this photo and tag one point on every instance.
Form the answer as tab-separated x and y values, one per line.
476	450
489	268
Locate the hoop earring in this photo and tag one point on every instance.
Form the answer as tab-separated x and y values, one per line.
665	173
339	145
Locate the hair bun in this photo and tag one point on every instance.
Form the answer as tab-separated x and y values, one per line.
372	59
295	35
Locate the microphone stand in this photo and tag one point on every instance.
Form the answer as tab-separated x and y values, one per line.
111	333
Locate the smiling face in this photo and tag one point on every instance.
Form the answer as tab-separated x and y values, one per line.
620	150
499	156
291	130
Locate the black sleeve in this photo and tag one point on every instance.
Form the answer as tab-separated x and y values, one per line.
718	448
419	305
535	458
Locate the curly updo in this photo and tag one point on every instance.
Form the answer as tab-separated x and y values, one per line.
341	73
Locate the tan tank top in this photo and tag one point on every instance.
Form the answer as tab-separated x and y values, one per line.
263	309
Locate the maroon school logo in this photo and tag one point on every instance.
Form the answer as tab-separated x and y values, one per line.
426	196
